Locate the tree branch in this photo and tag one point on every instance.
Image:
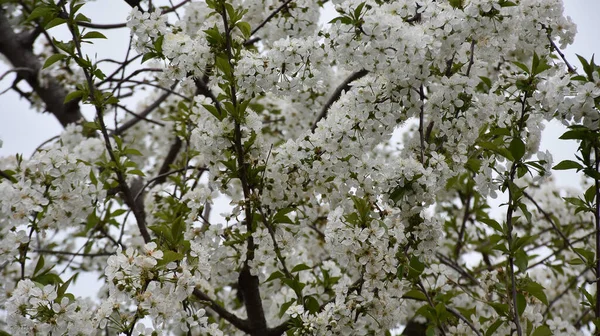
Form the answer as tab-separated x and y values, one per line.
272	15
248	283
222	312
344	86
52	93
142	115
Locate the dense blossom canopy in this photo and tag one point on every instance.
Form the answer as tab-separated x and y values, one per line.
331	228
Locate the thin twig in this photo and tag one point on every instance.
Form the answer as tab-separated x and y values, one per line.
262	24
565	291
548	218
560	53
421	121
464	319
461	233
597	222
139	213
162	176
142	115
76	254
344	86
471	58
139	116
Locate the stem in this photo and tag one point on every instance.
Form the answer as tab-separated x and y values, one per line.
248	283
139	214
471	60
554	226
344	86
421	121
280	8
509	223
461	233
597	218
464	319
511	263
422	288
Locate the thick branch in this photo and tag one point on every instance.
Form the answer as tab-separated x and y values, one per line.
52	93
223	313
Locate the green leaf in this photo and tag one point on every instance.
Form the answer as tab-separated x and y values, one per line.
521	303
568	164
300	267
311	304
493	224
245	28
82	18
100	75
41	11
149	56
589	256
39	265
93	35
500	308
415	295
457	4
275	275
590	194
542	330
213	110
517	148
136	172
522	66
576	261
486	81
575	134
358	10
343	19
543	66
537	291
53	59
281	216
400	272
521	260
416	267
54	22
73	95
492	329
170	256
63	288
48	279
223	64
132	151
285	306
159	43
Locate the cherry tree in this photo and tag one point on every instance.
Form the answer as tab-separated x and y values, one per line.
255	188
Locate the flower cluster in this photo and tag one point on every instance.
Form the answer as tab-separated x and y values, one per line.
36	309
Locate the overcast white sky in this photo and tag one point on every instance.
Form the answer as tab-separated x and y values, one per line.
22	129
